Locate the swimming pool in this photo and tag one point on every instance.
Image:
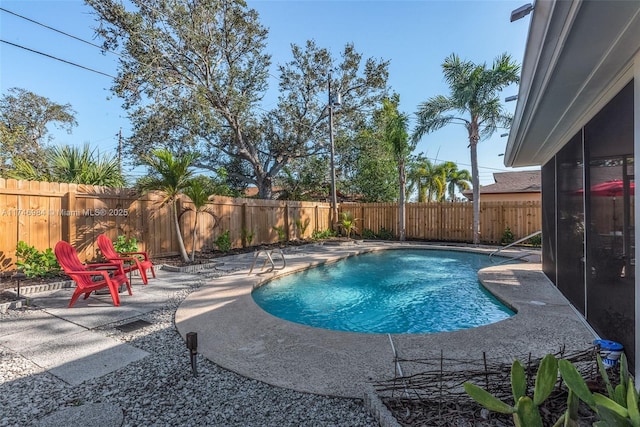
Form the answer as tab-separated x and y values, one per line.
391	291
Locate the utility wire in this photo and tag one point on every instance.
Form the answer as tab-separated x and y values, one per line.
58	31
58	59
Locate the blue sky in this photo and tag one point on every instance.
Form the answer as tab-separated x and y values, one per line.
415	36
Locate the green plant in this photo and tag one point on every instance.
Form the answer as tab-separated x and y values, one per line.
124	244
348	222
385	234
35	263
246	236
282	234
302	227
368	234
325	234
223	242
525	410
507	236
619	408
535	241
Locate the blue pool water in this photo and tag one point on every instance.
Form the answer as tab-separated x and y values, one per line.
392	291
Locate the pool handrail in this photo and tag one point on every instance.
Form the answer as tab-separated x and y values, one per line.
497	251
269	259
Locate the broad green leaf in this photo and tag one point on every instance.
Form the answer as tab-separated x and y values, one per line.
605	377
620	395
604	402
487	400
528	413
545	379
575	382
624	370
632	404
609	418
518	380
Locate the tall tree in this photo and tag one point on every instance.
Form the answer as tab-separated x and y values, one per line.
169	175
473	101
193	75
427	178
25	119
457	179
191	71
395	133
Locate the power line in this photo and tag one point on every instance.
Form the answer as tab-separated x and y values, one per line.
59	31
57	59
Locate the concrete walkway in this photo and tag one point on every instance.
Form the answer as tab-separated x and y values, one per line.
236	334
65	341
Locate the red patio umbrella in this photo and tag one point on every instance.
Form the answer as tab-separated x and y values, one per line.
609	188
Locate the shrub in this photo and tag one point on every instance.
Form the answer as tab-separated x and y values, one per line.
35	263
535	241
302	227
507	237
385	234
223	242
368	234
326	234
124	244
247	237
282	235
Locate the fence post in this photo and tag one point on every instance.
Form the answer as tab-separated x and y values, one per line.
286	221
69	220
243	224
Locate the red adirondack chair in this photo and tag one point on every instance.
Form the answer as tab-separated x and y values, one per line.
128	260
84	274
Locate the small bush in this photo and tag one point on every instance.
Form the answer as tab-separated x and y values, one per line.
385	234
302	226
124	244
35	263
223	242
368	234
247	237
326	234
507	237
535	241
282	234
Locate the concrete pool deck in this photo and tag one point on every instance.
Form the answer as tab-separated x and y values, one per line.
235	333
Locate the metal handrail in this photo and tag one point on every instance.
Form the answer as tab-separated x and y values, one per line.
269	259
514	243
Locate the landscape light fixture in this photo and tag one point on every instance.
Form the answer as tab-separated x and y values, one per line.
192	345
511	98
521	12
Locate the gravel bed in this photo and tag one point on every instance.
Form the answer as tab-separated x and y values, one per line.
160	389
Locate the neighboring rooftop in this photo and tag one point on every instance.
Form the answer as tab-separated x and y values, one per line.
511	182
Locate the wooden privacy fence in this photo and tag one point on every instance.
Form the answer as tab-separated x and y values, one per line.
43	213
450	222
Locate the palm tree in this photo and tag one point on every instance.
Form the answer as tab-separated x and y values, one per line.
73	165
474	102
84	166
169	175
429	179
456	179
396	135
199	193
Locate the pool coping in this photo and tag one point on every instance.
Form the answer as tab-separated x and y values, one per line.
236	334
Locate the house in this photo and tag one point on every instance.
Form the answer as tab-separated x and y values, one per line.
521	186
578	117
